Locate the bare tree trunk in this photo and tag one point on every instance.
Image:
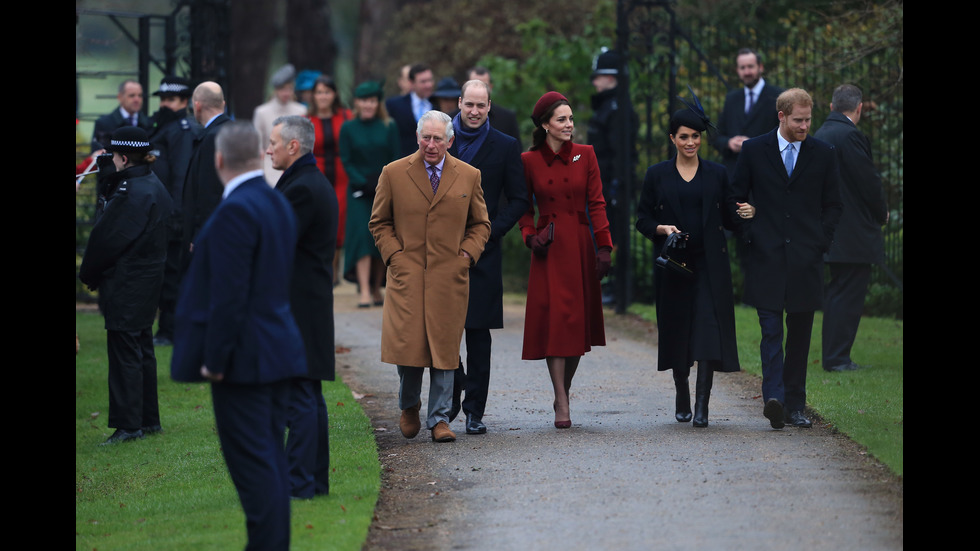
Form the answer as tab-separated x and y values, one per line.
309	38
253	29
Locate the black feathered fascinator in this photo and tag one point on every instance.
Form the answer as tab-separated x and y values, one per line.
693	117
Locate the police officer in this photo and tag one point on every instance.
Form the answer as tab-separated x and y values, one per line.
173	136
124	261
606	128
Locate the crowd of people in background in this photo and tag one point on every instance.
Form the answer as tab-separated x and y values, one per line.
237	234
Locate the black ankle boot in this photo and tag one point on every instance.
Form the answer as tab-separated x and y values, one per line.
682	403
702	392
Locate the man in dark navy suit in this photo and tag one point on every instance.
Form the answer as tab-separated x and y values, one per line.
859	242
498	156
235	329
750	110
406	110
794	185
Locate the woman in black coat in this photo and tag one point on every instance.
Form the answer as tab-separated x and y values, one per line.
695	311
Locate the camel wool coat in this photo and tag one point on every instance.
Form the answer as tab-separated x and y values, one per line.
421	236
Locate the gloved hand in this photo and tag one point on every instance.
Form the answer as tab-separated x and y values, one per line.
105	164
538	245
603	261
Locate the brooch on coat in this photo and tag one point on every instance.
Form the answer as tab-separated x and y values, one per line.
575	158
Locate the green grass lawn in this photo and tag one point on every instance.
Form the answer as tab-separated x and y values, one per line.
867	405
172	491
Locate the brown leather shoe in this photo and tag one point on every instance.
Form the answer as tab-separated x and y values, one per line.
409	422
441	433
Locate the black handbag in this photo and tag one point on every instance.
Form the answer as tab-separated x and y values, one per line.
669	258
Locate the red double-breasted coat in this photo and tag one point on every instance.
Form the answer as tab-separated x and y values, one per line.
563	315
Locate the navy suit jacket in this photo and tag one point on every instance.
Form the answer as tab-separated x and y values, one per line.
233	313
734	122
501	175
794	224
400	110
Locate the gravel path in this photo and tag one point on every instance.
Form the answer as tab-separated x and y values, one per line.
626	475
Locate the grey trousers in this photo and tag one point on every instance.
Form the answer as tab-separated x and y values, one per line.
440	392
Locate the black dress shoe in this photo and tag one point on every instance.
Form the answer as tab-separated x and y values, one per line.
123	435
155	429
797	419
774	412
474	425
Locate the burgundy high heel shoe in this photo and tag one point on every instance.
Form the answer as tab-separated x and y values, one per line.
561	424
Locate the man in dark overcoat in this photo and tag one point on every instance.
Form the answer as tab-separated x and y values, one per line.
794	184
311	298
858	242
235	329
174	131
749	111
124	260
202	187
498	156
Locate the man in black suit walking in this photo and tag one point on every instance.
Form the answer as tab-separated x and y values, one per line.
498	156
749	111
794	185
311	298
858	243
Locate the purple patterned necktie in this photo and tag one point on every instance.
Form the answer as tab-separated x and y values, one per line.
434	178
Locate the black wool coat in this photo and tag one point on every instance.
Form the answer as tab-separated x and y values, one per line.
659	205
794	222
505	192
311	292
858	238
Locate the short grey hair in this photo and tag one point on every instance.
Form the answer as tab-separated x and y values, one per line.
299	128
846	98
437	116
238	143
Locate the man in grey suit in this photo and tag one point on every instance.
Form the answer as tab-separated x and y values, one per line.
858	243
794	185
749	111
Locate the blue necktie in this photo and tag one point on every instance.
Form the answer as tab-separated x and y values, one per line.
751	102
790	159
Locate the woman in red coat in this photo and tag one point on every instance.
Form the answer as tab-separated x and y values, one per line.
328	115
563	319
